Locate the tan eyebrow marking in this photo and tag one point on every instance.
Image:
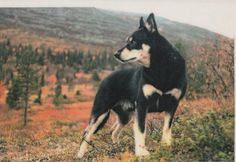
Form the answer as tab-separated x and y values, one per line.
130	38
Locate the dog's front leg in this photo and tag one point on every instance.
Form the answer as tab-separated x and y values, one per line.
140	130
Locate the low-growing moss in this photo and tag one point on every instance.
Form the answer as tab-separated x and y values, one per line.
199	138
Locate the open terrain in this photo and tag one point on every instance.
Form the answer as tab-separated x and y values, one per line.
204	125
54	132
96	27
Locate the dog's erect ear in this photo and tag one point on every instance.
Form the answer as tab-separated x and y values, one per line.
151	23
141	23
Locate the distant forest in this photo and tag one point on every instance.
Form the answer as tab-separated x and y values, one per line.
210	73
62	62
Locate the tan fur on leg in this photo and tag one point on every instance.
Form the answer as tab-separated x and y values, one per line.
166	136
89	132
116	133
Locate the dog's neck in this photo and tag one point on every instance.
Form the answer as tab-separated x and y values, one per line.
159	56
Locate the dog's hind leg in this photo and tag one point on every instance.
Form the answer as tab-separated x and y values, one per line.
116	132
99	116
114	125
122	118
94	125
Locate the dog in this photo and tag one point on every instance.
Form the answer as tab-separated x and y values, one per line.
157	85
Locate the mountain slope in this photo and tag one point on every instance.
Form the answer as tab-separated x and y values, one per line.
95	26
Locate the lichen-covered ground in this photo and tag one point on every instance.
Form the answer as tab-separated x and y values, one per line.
203	130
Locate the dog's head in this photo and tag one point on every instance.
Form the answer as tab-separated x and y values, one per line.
139	43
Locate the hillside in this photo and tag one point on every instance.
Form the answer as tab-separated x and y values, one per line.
208	55
69	51
96	26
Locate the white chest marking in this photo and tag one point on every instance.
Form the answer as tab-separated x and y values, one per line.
148	90
175	92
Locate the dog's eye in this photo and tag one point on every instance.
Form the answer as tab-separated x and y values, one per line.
134	42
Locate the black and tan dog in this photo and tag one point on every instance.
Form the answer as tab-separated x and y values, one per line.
156	86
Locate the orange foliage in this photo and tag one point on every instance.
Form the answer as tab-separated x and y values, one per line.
73	112
51	79
2	93
126	156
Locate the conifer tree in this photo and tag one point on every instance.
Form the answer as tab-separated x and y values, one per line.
27	76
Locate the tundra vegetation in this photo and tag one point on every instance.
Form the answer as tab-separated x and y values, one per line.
203	128
46	92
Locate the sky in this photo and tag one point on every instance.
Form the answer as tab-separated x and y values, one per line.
215	15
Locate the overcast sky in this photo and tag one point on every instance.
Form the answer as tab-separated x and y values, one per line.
215	15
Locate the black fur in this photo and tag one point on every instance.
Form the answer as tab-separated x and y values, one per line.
166	71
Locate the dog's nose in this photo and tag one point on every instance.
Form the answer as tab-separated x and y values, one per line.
117	54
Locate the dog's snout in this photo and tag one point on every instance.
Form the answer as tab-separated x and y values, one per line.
117	54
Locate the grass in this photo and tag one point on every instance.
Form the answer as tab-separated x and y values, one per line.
3	148
65	123
196	137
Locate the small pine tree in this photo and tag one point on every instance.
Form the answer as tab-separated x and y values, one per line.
13	95
95	76
58	90
38	99
8	75
64	96
3	57
41	59
60	74
77	93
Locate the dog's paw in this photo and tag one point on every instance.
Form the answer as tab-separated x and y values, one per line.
141	151
115	140
80	155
